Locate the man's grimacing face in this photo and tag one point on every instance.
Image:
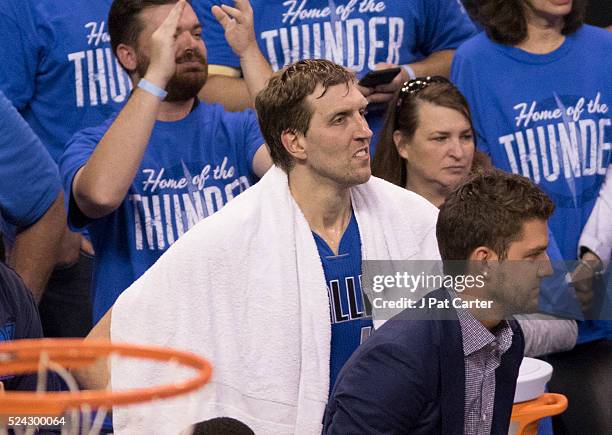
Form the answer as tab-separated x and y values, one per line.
192	68
338	137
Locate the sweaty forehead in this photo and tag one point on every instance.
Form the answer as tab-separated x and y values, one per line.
336	97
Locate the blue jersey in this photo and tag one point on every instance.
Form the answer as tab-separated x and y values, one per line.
30	180
18	320
546	117
354	33
58	68
351	317
191	168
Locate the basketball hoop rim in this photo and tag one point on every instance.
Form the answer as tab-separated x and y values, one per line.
23	356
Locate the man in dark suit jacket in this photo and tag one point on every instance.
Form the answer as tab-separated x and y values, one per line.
449	364
409	377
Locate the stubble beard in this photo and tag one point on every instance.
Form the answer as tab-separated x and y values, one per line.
510	293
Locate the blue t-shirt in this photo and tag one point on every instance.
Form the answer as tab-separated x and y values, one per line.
546	117
30	180
57	67
518	100
354	33
191	168
351	317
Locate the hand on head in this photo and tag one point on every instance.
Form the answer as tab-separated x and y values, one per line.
163	47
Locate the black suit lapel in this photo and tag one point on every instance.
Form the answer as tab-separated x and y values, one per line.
452	369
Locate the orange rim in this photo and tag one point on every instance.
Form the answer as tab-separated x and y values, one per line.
527	413
23	356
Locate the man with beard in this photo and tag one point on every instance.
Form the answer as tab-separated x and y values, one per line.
165	161
449	364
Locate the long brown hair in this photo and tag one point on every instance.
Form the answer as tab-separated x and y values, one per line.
403	115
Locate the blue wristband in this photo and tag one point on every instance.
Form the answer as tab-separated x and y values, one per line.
410	71
152	89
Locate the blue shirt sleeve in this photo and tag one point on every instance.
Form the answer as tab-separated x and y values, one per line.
219	52
30	179
446	26
466	80
253	138
243	135
19	52
77	152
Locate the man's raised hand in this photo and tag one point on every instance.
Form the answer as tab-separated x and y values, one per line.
162	64
237	23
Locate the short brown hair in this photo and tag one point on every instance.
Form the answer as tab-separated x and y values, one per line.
387	163
505	21
124	25
281	105
488	209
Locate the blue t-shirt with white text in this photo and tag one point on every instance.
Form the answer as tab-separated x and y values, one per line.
547	117
191	168
57	66
356	34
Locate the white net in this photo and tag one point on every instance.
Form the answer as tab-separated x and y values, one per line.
82	419
76	421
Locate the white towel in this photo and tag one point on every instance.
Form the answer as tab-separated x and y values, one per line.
245	288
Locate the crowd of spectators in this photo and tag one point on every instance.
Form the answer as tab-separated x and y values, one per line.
124	124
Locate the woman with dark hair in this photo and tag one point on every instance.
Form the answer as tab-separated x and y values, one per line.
427	143
427	146
540	88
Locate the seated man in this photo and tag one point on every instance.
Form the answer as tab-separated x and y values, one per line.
449	364
165	161
269	288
